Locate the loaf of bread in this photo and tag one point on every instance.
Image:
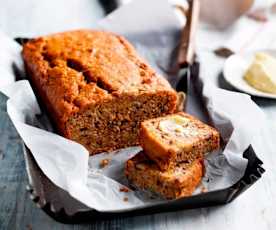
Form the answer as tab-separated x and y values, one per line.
177	138
96	89
176	182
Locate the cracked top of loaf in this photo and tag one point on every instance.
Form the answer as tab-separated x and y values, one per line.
74	69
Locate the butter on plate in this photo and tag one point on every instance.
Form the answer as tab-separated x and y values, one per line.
261	74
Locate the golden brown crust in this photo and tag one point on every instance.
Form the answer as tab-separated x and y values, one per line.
166	149
76	70
178	182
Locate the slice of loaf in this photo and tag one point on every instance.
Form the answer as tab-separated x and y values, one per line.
177	138
96	89
178	182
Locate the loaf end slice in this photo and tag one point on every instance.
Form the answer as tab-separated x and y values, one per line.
181	181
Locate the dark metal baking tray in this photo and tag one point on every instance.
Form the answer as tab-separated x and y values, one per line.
58	203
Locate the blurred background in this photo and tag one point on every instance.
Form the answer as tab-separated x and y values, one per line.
32	17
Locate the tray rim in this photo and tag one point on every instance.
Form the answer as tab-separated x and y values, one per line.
253	173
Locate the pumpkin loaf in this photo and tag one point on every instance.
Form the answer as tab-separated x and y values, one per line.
95	87
180	181
177	138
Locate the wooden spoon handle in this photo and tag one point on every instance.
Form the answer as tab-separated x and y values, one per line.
186	48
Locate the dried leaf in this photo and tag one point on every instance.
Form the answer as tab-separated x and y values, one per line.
223	52
273	8
258	15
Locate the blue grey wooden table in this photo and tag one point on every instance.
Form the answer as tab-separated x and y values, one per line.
255	209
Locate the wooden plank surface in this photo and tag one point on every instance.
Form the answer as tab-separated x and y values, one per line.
255	209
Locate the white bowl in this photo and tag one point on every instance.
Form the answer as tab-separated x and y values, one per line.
235	67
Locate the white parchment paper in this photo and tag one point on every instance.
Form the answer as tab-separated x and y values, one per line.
154	30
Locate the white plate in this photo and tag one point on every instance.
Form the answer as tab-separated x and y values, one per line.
235	67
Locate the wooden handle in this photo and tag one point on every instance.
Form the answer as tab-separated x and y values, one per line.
186	48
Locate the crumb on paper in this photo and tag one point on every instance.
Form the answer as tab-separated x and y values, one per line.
116	152
104	163
203	189
125	199
181	97
124	189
